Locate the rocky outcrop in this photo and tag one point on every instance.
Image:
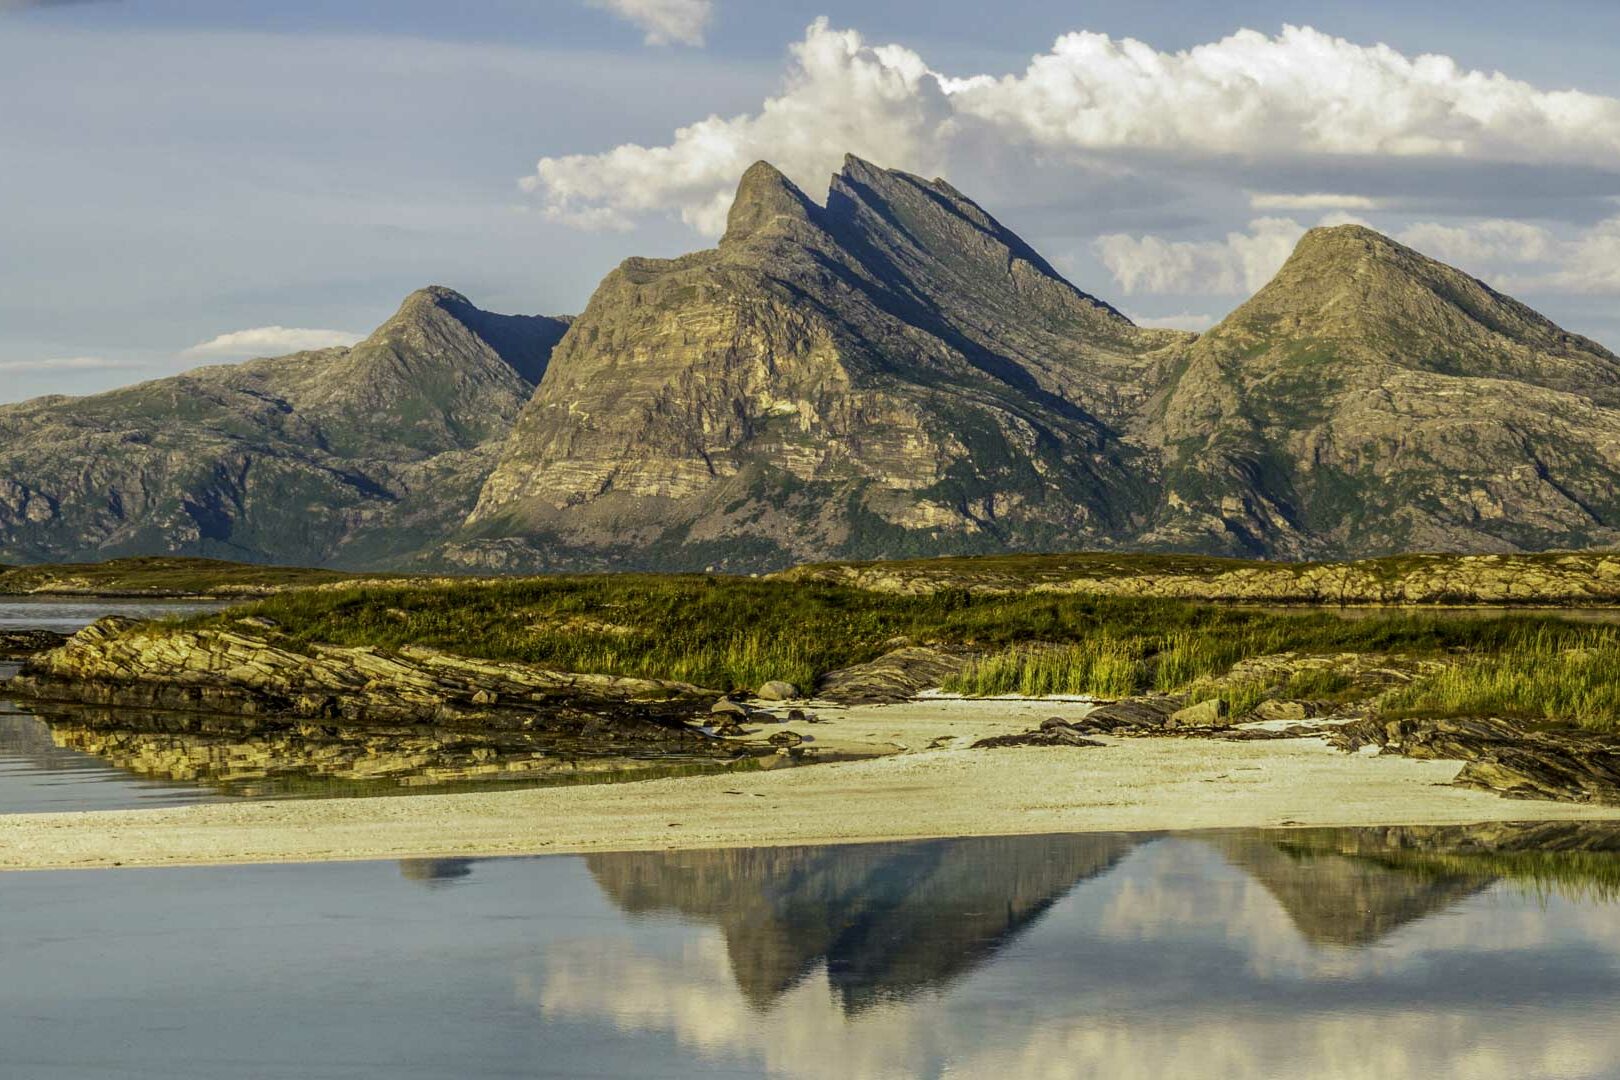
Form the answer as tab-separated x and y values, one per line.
1562	578
238	672
349	456
1504	756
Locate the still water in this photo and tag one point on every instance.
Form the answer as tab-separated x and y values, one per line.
1347	954
37	773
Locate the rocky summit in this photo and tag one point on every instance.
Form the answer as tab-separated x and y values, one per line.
889	373
892	372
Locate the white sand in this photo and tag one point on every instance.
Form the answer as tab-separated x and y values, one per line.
1136	784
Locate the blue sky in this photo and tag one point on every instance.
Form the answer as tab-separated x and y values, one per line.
191	182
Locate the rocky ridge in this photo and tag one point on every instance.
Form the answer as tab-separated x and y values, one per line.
1567	579
886	374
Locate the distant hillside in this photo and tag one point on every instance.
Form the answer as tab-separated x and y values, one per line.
346	457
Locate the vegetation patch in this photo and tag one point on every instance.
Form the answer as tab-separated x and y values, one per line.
732	632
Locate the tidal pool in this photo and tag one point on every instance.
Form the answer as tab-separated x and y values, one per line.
1457	952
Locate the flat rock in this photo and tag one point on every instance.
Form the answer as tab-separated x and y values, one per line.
893	677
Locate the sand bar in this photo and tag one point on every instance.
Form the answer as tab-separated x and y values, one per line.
1131	784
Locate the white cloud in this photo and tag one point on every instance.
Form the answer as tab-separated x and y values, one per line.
271	341
1300	97
1481	243
1184	321
1589	263
64	363
1316	200
665	22
1240	263
841	96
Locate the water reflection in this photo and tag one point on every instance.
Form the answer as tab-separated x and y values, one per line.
1467	952
259	757
882	920
1387	954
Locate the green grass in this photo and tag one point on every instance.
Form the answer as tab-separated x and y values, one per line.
727	632
1103	666
1542	675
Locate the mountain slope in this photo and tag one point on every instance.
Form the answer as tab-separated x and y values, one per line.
339	456
1370	400
894	372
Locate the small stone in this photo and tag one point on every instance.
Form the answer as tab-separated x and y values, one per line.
485	697
777	690
1205	714
786	738
1282	710
727	707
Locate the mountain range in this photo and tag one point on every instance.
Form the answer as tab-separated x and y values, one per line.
889	373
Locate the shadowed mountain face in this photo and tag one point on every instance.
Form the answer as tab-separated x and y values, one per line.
887	920
341	456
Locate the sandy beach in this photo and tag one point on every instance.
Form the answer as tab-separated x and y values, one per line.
930	786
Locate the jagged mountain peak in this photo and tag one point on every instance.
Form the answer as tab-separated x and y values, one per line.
766	201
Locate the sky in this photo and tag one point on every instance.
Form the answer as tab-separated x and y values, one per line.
185	182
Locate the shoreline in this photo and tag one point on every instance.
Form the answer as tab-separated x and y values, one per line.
928	786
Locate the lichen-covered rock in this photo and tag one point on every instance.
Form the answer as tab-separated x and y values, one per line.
19	643
1500	755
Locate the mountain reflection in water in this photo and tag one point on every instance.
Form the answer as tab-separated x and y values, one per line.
1456	953
886	920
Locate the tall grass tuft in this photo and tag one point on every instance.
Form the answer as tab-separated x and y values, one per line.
1100	666
1541	676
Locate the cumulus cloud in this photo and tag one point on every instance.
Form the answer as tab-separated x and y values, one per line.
1301	97
665	22
842	95
1240	263
1515	255
64	363
1481	243
271	341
